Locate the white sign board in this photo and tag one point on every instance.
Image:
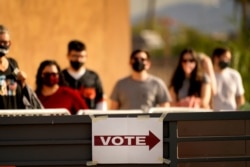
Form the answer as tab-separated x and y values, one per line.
127	140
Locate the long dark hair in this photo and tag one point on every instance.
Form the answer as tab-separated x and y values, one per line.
43	64
195	78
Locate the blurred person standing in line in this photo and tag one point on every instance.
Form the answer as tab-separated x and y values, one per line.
230	90
14	91
140	90
189	86
52	91
86	81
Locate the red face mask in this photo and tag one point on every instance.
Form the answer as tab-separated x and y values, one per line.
50	79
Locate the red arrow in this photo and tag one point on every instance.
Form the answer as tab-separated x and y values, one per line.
152	140
129	140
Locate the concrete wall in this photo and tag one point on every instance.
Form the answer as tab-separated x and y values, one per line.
41	29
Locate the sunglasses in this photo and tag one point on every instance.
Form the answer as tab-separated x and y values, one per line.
49	74
188	60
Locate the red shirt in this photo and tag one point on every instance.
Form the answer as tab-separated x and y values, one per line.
64	97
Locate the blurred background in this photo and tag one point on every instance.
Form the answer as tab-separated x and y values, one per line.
111	29
165	27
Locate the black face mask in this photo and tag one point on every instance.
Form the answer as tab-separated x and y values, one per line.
76	64
138	66
223	64
4	50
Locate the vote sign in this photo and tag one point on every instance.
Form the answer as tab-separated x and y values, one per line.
127	140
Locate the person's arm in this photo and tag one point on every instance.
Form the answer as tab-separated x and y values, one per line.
100	100
173	96
20	75
166	104
163	97
114	98
114	105
240	100
205	95
184	102
78	102
102	105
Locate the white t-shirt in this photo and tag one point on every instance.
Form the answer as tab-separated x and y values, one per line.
229	86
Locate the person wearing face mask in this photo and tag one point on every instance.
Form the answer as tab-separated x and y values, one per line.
52	91
140	90
230	90
86	81
14	92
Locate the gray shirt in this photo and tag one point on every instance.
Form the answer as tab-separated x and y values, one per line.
183	92
229	86
132	94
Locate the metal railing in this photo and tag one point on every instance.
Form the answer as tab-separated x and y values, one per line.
66	140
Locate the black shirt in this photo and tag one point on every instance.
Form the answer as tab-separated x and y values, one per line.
10	89
89	86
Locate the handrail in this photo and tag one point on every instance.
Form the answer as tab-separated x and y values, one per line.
65	133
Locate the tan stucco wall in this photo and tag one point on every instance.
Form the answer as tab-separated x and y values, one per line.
41	29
